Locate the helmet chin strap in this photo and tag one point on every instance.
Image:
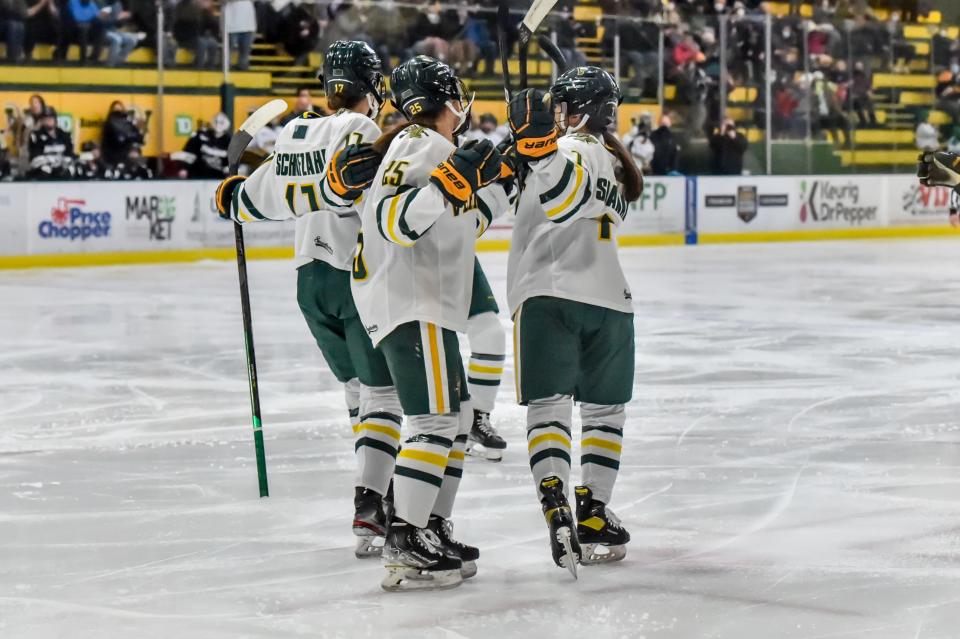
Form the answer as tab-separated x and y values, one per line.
374	105
462	116
583	123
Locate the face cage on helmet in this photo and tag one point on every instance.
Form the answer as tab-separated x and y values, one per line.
561	117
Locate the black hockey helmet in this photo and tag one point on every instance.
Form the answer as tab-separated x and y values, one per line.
424	85
352	69
588	91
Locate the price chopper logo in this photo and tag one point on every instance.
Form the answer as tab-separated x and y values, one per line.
158	211
828	201
69	221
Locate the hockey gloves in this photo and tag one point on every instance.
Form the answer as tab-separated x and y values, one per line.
225	194
939	169
533	126
468	169
352	169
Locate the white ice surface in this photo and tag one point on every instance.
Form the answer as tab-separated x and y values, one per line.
792	465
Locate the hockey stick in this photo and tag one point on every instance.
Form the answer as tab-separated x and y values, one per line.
257	120
535	15
503	24
553	52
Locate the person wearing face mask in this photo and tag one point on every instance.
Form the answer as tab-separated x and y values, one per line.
50	149
295	184
205	153
638	143
132	167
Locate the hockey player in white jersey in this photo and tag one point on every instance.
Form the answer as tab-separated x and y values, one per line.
942	169
412	283
571	304
293	184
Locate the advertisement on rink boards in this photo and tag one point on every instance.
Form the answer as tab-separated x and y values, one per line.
791	203
90	217
912	204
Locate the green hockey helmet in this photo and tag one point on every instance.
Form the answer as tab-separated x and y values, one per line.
351	69
590	92
425	86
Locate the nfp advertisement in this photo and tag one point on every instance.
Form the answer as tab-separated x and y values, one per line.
660	210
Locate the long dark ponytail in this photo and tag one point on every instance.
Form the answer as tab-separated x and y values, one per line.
629	174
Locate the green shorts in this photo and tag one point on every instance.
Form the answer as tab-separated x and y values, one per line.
563	347
323	293
481	299
425	363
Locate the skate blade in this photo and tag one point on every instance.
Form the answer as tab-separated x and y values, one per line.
569	559
368	547
595	554
481	452
468	569
402	578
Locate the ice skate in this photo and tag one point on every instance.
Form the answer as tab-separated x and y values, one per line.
602	536
414	560
369	522
563	533
443	528
484	441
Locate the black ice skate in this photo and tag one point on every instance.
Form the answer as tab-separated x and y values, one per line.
603	537
484	441
443	528
415	560
369	522
563	533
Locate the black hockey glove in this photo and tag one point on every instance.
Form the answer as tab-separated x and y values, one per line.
468	169
225	194
533	125
939	169
352	169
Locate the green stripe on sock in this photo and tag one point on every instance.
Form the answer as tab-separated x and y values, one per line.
413	473
599	460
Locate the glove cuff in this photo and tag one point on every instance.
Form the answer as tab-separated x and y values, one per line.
532	149
454	186
225	194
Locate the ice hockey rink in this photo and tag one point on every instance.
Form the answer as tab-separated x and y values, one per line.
791	465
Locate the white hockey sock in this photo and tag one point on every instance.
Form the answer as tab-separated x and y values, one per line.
548	438
454	471
487	355
377	436
351	391
421	464
601	446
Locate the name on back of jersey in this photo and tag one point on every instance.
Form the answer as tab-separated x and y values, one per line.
299	164
609	193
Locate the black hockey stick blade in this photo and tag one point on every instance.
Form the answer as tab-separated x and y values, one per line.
254	122
553	52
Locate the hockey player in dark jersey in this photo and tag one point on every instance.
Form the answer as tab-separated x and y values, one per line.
942	169
205	153
51	149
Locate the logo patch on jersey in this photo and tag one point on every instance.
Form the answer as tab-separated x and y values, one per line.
319	243
373	328
300	132
627	295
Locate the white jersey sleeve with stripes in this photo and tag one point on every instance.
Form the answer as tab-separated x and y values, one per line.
564	241
292	184
415	260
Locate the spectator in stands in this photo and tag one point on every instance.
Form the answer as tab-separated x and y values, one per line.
927	136
639	43
120	133
205	153
947	91
686	51
83	28
477	30
565	27
89	166
433	30
638	142
861	94
901	51
302	104
51	149
487	128
240	20
728	146
144	19
665	148
195	27
43	24
120	43
14	15
299	31
826	109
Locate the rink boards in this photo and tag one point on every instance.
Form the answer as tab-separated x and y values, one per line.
78	223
